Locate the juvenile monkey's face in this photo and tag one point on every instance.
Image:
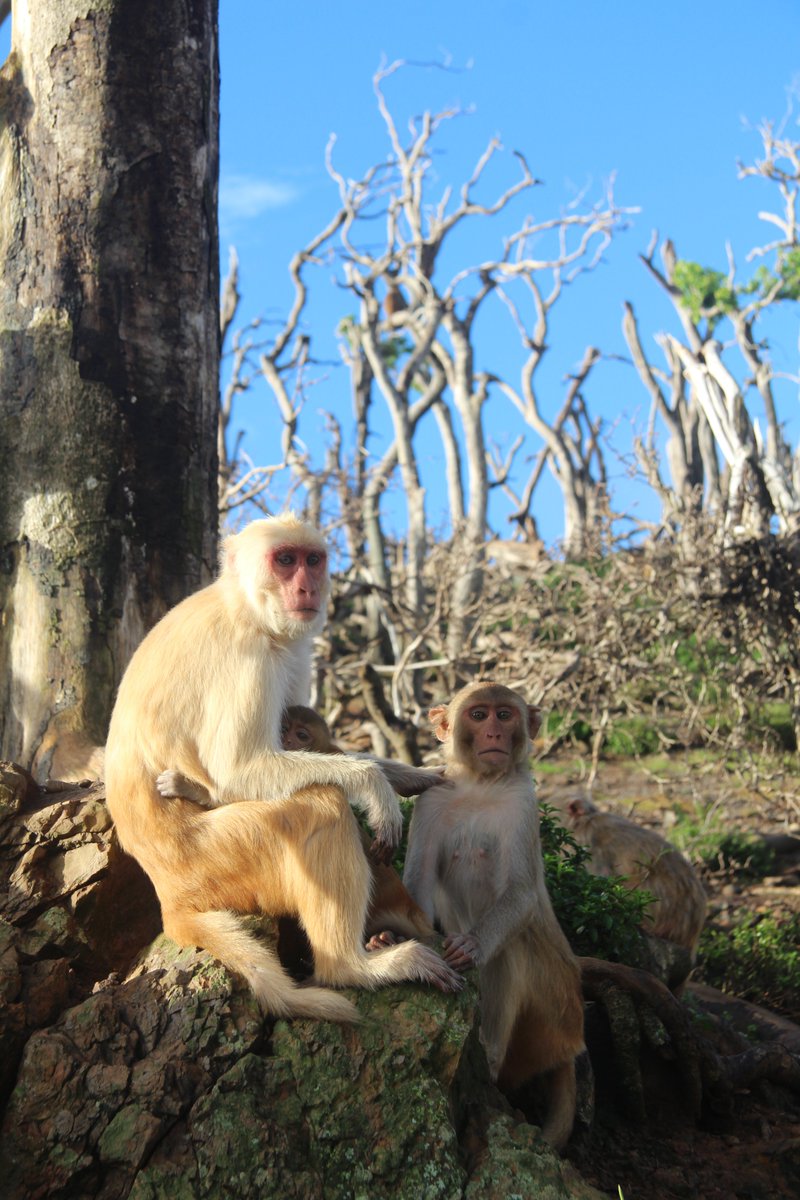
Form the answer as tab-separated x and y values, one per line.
301	576
493	733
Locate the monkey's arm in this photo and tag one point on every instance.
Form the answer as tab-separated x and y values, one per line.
419	873
276	774
405	779
517	906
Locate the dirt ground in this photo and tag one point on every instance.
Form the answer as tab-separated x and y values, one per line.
755	1153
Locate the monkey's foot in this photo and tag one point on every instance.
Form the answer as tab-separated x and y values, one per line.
435	971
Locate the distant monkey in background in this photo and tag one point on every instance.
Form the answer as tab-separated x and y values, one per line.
621	847
391	909
474	864
204	696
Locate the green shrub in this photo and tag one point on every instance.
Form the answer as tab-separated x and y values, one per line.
557	726
707	842
599	916
632	737
776	719
757	960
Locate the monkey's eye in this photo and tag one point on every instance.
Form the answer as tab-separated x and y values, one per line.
285	558
314	559
303	735
505	714
478	714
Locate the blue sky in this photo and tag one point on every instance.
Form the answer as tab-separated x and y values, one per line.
667	97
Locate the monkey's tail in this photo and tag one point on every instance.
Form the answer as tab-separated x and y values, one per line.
222	934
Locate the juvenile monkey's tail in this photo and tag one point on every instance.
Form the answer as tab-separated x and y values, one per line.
222	934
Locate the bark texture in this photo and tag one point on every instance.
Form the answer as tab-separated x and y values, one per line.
109	347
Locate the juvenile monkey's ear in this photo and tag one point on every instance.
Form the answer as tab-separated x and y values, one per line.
438	719
534	720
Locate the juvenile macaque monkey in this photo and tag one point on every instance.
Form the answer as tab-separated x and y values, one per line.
621	847
391	909
204	696
474	864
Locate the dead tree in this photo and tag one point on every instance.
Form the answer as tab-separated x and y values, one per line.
411	342
720	459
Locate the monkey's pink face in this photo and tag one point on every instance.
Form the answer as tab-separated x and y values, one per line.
494	732
301	573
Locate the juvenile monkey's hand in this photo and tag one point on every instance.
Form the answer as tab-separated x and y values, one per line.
172	785
168	784
461	950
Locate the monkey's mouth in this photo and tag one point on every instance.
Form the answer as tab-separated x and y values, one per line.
493	750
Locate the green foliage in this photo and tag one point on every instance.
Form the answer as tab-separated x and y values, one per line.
757	960
775	718
632	736
719	849
599	916
789	273
785	285
556	725
706	293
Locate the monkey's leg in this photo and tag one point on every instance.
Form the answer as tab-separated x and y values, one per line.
562	1090
228	852
328	883
501	988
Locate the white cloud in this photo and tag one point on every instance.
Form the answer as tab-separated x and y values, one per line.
241	198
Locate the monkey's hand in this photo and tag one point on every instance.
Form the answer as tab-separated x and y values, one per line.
374	796
172	785
461	950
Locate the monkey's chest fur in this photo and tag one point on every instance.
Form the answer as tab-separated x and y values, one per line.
472	867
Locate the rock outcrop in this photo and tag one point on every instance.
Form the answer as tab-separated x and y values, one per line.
129	1067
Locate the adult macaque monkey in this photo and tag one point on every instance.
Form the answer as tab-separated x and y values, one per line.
204	695
621	847
474	864
391	909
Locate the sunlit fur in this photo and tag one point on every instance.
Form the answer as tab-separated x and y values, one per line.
391	908
621	847
474	864
203	695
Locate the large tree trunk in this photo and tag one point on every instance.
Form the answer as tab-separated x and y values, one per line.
109	345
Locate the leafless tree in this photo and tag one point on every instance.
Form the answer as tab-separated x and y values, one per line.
412	341
719	458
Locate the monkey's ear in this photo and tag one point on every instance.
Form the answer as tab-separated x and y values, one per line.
227	554
578	808
438	719
534	720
